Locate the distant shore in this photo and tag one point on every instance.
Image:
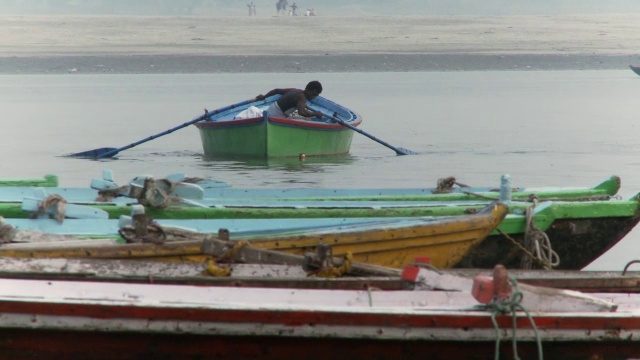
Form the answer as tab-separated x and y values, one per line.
191	64
109	44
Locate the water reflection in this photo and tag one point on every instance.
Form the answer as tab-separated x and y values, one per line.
294	164
279	172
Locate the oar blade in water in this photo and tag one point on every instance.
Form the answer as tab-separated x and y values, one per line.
403	151
95	153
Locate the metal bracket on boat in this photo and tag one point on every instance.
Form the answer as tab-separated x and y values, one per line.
321	264
137	227
247	254
219	247
322	258
177	185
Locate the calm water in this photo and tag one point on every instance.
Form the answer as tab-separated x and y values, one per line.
560	128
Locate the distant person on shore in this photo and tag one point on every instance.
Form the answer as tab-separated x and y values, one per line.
294	9
253	8
294	99
250	8
282	6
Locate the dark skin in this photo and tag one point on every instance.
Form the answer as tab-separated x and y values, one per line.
301	98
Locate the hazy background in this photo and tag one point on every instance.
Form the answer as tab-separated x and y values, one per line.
323	7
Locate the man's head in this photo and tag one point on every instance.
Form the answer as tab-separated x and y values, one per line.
313	89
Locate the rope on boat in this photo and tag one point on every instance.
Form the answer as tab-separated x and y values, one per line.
53	201
107	195
233	251
214	270
7	232
336	271
155	193
143	230
509	306
539	241
515	242
444	185
155	197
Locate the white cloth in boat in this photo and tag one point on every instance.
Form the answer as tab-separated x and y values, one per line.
250	112
275	111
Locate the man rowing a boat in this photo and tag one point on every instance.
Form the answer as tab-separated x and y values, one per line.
294	99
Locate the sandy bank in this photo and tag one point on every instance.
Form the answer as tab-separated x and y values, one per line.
228	44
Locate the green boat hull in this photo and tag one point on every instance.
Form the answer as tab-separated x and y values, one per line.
48	180
603	191
561	208
269	139
249	131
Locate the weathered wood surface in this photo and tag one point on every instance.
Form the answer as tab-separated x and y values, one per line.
584	281
188	273
533	297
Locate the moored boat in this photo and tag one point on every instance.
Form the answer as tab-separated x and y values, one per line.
186	201
277	273
48	180
118	320
208	192
635	69
557	234
393	242
249	131
447	189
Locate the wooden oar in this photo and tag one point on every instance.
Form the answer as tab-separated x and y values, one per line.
107	152
398	150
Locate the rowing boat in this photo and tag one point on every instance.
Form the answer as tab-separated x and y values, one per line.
249	131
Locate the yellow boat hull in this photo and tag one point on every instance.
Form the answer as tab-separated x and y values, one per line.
391	243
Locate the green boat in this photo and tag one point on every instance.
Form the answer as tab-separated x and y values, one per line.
249	131
554	234
444	191
212	193
48	180
558	235
267	205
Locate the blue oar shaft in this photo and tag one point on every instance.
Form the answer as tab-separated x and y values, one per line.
198	119
399	151
115	151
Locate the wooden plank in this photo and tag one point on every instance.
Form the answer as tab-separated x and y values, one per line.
249	254
550	299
